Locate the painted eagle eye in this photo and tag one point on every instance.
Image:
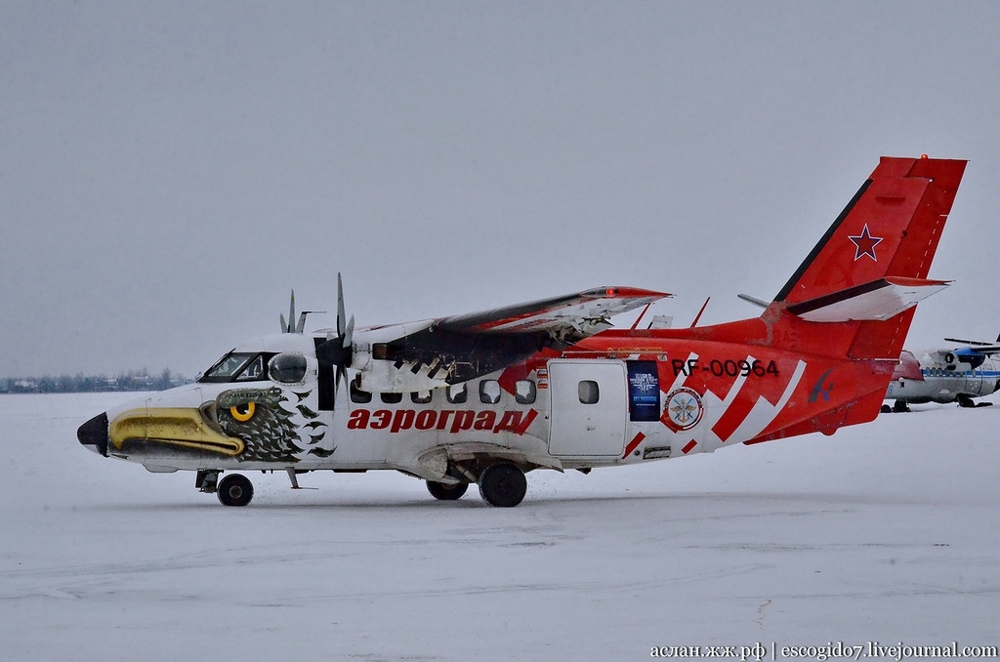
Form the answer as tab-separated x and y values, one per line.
243	412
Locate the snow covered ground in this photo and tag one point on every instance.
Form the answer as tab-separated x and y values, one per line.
887	532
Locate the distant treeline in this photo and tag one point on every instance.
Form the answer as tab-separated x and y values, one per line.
133	380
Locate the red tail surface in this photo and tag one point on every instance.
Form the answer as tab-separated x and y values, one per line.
866	275
846	310
889	229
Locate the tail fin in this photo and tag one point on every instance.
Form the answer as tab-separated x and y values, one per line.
870	268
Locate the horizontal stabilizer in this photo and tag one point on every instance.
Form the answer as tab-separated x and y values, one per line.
875	301
760	303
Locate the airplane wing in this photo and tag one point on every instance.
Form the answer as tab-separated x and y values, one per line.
574	315
978	346
982	349
455	349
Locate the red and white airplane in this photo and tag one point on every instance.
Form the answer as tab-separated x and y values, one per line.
487	397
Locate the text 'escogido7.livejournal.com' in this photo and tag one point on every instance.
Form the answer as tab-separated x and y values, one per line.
759	652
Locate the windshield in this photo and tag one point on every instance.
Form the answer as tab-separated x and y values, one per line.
236	366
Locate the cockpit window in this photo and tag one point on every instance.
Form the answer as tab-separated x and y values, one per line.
253	372
227	367
238	367
288	368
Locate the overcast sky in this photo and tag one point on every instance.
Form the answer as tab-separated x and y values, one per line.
169	171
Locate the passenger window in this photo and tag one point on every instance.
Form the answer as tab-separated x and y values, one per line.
489	391
359	396
589	392
458	393
524	392
420	397
392	398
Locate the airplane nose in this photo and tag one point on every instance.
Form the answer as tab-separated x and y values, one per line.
94	434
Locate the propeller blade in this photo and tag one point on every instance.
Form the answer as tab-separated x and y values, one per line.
341	313
291	314
339	349
349	333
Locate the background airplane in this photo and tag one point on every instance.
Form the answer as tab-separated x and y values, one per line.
486	397
958	374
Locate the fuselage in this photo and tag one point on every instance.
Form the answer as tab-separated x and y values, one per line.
616	398
943	376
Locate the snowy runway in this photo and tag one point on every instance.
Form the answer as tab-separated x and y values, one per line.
884	532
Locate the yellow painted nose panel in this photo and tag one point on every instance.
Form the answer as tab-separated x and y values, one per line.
171	425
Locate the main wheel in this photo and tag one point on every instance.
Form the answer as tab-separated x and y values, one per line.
235	490
446	492
502	485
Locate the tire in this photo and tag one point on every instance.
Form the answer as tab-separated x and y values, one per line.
502	485
235	490
443	492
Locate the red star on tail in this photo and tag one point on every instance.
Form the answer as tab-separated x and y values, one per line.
865	244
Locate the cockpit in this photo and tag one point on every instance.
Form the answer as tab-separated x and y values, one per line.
283	368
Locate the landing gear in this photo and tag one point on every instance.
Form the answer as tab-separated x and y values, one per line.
966	401
206	481
235	490
502	485
445	492
900	406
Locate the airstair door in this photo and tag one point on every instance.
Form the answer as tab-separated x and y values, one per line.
589	408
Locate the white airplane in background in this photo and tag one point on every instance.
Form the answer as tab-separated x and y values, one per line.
486	397
958	375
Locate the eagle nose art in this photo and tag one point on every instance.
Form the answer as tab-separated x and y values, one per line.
94	434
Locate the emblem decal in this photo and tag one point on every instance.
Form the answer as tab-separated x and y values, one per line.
819	389
865	244
684	409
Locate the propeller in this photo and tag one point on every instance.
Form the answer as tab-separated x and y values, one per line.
300	326
338	349
287	327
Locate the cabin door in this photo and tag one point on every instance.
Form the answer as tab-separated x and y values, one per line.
589	408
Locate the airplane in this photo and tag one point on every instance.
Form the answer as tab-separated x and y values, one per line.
487	397
957	374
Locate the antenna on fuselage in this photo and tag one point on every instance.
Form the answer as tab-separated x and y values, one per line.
698	316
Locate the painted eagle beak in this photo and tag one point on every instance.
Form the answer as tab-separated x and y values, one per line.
175	426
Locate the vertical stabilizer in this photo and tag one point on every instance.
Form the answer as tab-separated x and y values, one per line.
864	277
891	227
